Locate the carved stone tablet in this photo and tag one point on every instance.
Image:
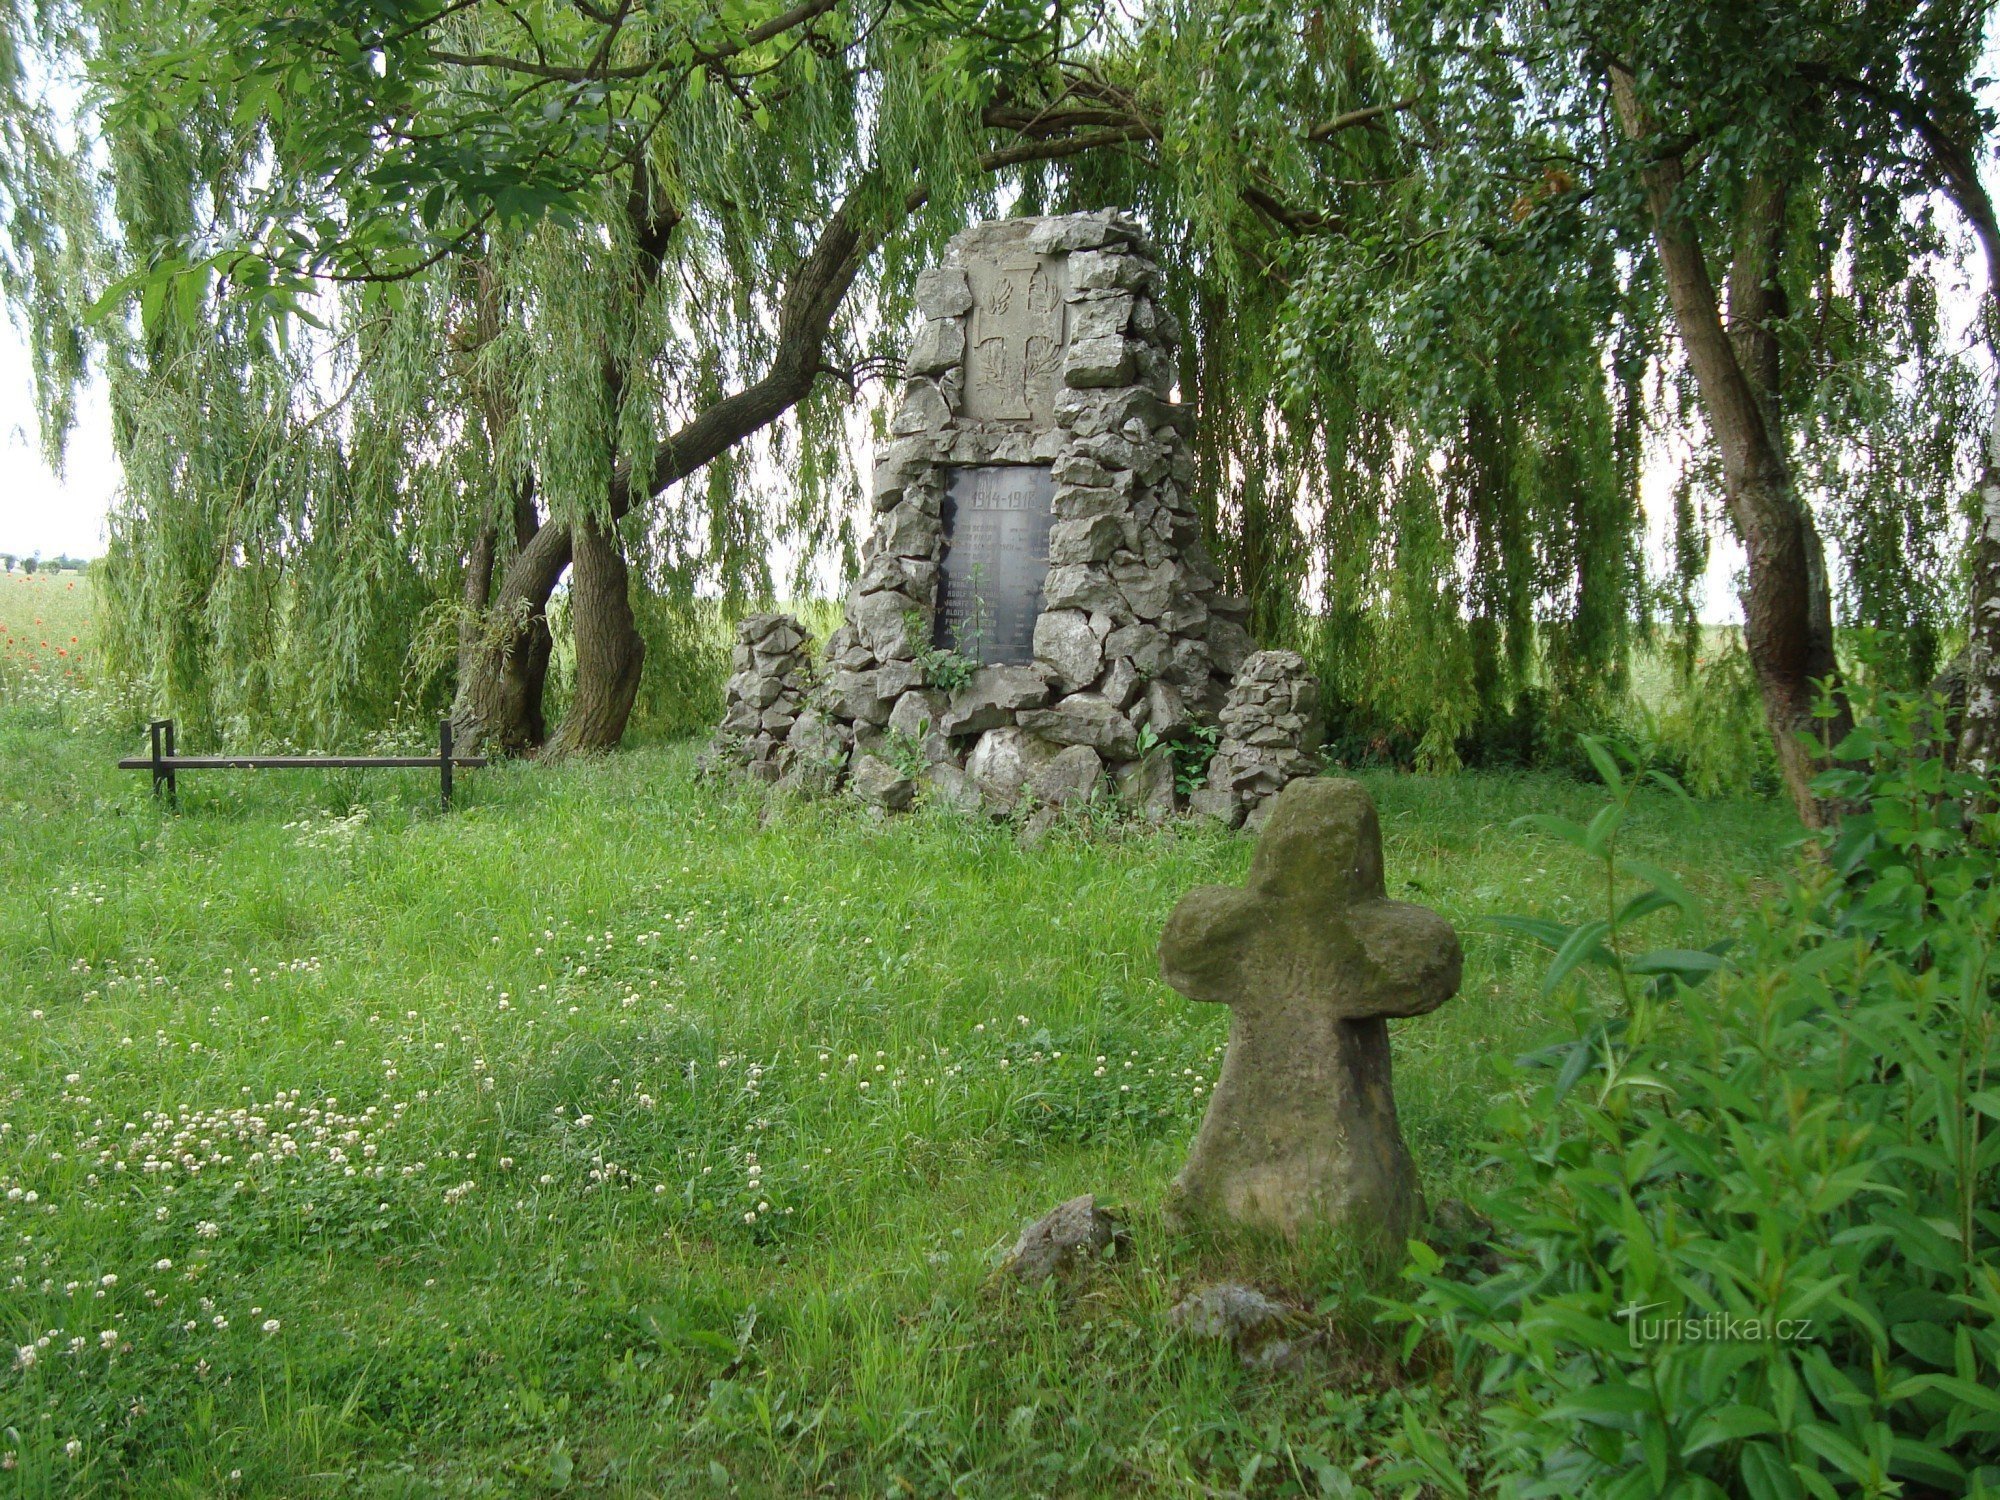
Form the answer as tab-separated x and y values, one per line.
1014	345
996	528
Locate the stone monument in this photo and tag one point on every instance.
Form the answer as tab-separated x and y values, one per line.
1312	959
1037	621
1033	526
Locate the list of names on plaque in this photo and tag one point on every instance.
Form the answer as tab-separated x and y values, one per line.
996	527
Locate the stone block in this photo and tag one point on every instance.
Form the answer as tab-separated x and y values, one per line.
1146	785
1102	315
944	292
939	345
952	787
1001	763
1109	270
1086	541
1229	644
880	785
1084	719
1073	232
1065	641
993	697
1082	586
916	713
920	409
1098	362
1072	775
883	622
1146	646
909	531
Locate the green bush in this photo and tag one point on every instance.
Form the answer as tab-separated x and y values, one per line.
1744	1237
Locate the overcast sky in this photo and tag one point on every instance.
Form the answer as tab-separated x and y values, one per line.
38	511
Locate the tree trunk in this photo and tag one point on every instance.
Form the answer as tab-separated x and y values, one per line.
498	709
609	650
1787	607
504	641
1979	731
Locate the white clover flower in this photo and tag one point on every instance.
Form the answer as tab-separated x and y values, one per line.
24	1356
271	1325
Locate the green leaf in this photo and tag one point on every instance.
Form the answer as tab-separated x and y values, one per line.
1583	945
1567	829
1603	1402
1690	965
1550	935
1728	1424
1766	1475
1662	881
1602	759
1836	1449
1603	829
1644	905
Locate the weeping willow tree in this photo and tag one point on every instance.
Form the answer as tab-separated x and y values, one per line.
428	313
414	316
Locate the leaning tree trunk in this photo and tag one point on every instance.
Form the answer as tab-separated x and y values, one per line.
1787	606
503	639
609	650
502	672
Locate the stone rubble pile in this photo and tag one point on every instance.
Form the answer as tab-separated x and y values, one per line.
1270	736
770	678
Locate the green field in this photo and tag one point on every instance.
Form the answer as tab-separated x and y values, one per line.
615	1136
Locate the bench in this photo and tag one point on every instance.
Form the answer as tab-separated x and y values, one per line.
165	765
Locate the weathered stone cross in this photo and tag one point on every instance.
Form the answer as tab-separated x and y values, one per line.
1312	959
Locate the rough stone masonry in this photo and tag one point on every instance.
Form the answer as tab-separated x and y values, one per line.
1312	959
1037	617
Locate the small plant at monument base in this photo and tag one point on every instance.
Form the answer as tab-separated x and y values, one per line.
906	751
946	668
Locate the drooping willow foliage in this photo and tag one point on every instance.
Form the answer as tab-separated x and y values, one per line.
302	490
1424	343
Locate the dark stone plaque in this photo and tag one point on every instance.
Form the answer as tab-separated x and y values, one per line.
996	553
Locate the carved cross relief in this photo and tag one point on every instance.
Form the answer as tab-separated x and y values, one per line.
1014	347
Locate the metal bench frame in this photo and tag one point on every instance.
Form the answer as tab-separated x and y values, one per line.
165	765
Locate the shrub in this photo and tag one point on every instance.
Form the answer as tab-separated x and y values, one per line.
1745	1238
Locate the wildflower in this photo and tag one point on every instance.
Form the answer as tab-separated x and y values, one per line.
271	1325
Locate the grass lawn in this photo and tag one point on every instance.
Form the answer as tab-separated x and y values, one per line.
617	1136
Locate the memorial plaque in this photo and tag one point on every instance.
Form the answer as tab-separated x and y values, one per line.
996	554
1014	346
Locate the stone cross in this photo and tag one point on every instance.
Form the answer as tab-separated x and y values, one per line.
1312	959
